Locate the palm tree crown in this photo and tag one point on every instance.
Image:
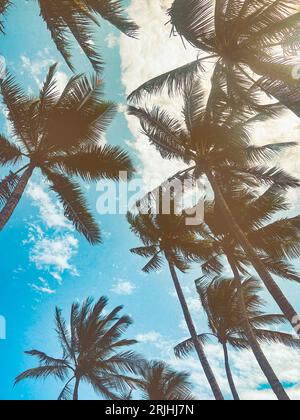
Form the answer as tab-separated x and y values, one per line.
215	137
75	17
91	352
220	301
60	133
248	40
275	239
159	382
165	235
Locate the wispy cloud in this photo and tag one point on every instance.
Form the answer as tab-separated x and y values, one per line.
42	287
122	287
37	67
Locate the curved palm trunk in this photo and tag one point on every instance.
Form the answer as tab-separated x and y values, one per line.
255	347
229	374
76	389
14	199
198	345
285	306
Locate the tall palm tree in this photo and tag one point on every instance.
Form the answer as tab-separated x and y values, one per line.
215	142
258	211
76	18
220	300
59	133
167	237
92	352
160	382
253	44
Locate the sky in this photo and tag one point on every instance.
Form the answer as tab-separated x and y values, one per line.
45	263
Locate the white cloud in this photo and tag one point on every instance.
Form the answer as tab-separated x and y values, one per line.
112	40
38	68
50	212
123	288
53	245
153	54
43	287
150	337
54	254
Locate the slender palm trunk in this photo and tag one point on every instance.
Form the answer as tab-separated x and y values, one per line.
198	345
229	374
255	347
14	199
76	389
285	306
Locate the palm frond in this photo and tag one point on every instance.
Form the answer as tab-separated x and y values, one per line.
155	264
164	132
185	348
7	187
45	359
43	372
174	80
9	152
95	163
75	207
113	12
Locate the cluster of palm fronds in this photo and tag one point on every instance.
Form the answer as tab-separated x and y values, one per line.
253	46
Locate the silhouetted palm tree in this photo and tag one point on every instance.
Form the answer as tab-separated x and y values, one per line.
220	300
246	40
168	237
273	241
215	142
91	352
160	382
76	18
59	133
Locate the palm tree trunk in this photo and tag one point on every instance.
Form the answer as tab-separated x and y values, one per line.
14	199
229	374
198	345
255	347
76	389
285	306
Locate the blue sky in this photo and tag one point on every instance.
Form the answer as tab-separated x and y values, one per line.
34	282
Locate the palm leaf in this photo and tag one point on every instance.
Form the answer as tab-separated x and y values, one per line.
174	80
74	205
95	163
7	187
43	372
185	348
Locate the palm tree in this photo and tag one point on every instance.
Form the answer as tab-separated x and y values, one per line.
76	18
166	236
215	142
160	382
258	211
220	300
92	352
247	40
59	133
